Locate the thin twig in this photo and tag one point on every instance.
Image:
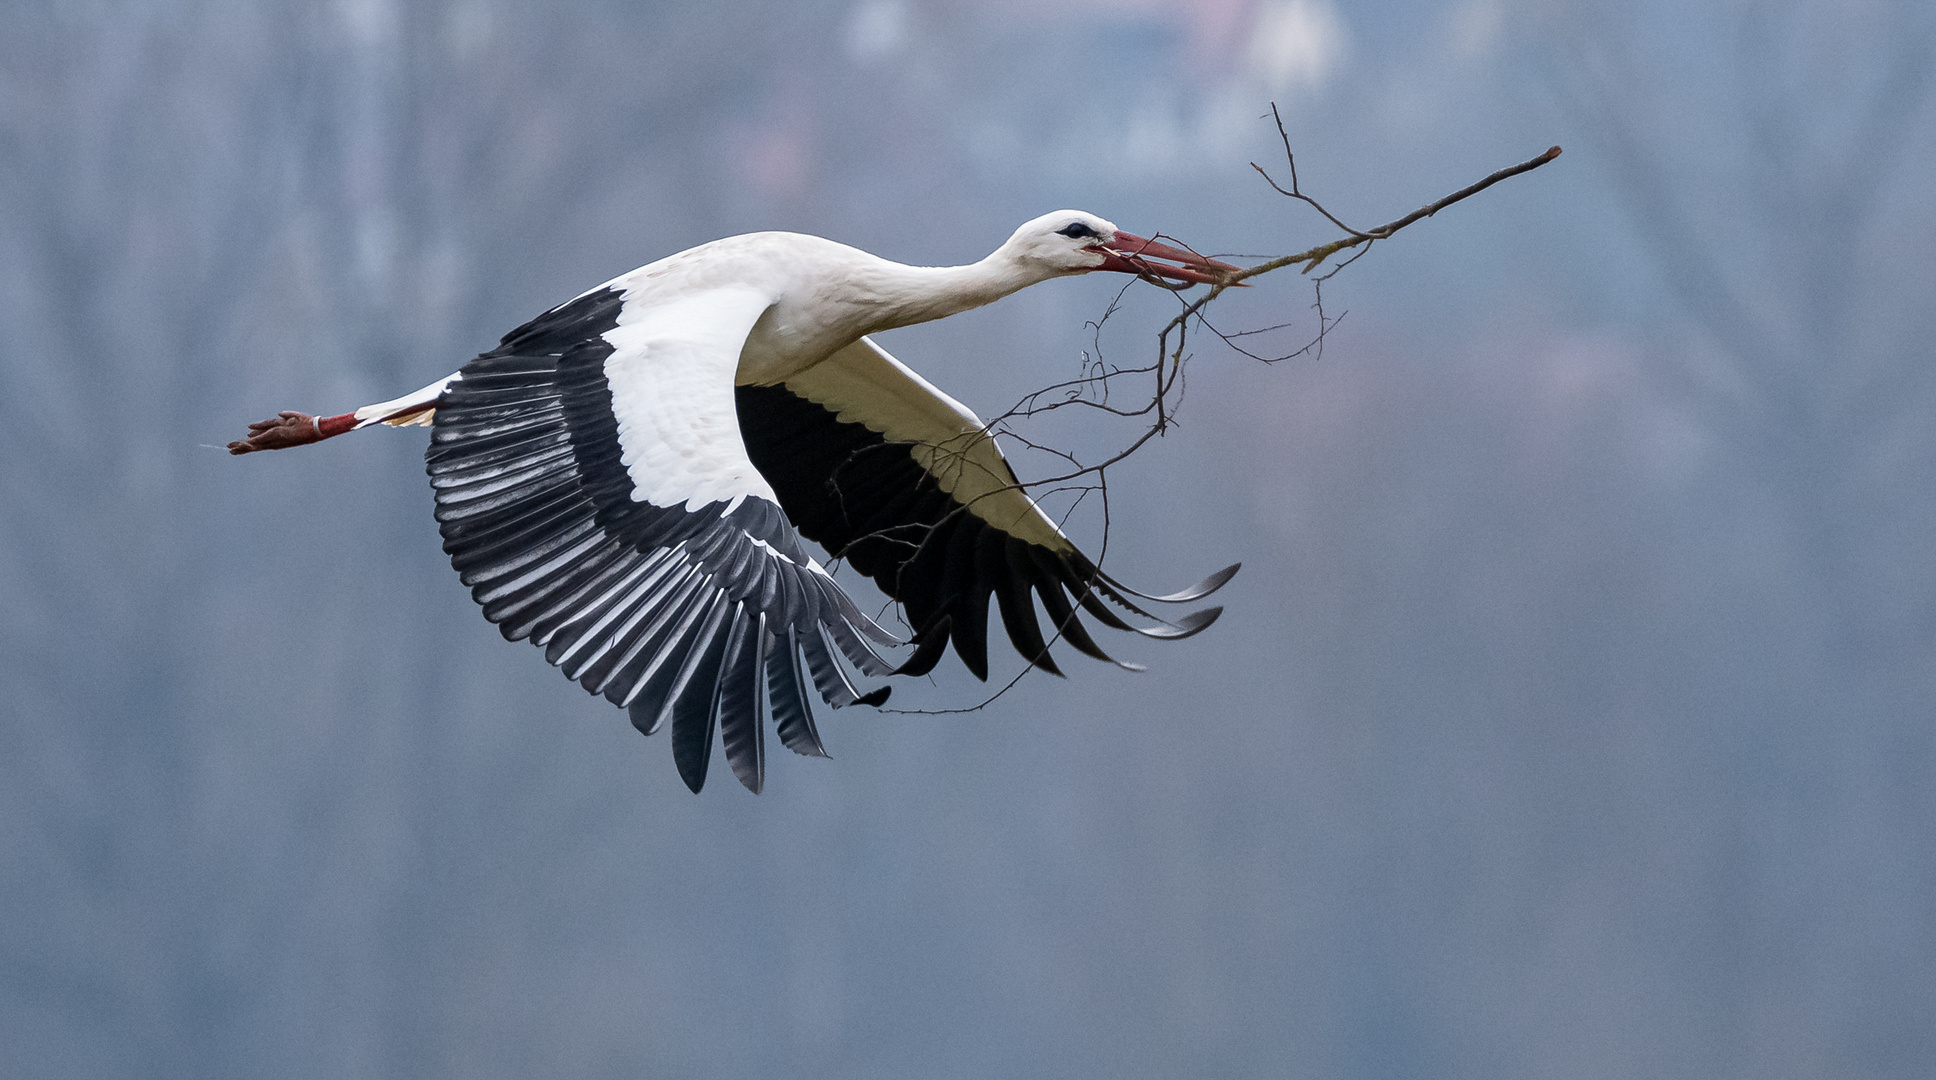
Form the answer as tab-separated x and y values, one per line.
1092	388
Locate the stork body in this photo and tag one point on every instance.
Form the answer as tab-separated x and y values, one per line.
623	481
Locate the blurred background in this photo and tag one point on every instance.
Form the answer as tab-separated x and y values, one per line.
1572	715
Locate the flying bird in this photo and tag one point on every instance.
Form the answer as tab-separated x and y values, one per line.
624	482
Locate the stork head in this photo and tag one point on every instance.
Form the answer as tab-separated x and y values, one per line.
1074	242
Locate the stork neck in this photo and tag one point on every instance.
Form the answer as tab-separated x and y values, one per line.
918	294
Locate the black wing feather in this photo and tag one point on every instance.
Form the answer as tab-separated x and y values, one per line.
695	706
869	501
787	695
666	611
740	732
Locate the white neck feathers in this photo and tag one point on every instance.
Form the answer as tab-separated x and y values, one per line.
915	294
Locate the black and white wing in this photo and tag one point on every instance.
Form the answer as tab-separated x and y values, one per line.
882	469
594	493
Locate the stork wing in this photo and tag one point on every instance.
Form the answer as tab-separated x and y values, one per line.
594	493
882	469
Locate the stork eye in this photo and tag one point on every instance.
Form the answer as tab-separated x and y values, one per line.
1077	231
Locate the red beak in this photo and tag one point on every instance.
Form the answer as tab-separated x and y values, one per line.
1132	255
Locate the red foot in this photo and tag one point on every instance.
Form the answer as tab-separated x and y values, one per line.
291	429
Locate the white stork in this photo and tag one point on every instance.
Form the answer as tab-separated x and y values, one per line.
620	481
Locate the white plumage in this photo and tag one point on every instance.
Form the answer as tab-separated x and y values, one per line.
623	481
671	372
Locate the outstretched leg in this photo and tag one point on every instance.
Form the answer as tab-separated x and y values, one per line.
291	428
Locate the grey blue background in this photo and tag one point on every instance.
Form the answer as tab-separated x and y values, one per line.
1572	716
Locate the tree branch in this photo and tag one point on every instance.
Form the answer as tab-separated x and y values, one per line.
1091	389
